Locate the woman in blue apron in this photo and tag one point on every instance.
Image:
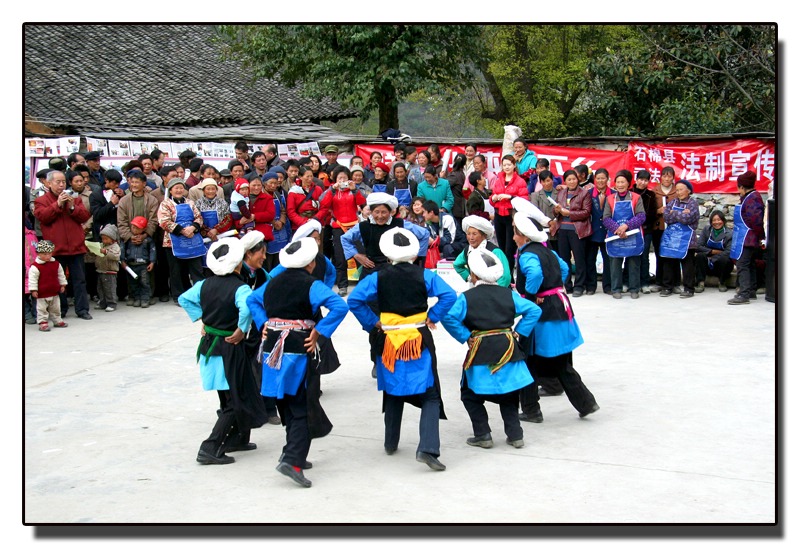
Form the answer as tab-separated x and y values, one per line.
748	231
678	243
713	254
181	222
216	214
400	187
623	212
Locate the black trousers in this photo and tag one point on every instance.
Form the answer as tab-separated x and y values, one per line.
560	367
673	269
294	414
569	246
327	241
338	259
226	432
181	271
721	268
75	270
504	229
746	274
160	274
428	421
509	408
591	266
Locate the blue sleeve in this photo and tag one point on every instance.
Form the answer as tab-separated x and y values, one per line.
530	312
330	273
244	312
453	320
421	234
255	302
348	241
365	292
321	295
564	267
275	271
190	301
529	264
445	295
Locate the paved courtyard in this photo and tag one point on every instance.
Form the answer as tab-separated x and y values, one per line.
114	414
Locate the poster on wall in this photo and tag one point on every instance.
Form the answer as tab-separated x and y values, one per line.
298	150
98	145
223	150
34	147
118	148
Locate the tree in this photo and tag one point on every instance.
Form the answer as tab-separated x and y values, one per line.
365	67
682	79
536	74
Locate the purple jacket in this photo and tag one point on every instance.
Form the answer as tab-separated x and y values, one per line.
753	216
679	215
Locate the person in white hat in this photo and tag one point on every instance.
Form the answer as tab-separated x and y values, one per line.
401	344
479	230
368	234
494	369
220	301
324	271
540	278
286	314
255	276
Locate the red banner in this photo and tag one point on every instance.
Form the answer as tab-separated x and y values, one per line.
711	166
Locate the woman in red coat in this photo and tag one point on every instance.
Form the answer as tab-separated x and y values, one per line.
262	207
507	184
302	203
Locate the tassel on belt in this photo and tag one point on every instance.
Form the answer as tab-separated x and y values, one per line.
403	339
284	326
477	336
562	294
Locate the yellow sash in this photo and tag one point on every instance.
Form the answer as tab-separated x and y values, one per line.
401	344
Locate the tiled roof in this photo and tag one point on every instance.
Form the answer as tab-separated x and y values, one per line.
103	76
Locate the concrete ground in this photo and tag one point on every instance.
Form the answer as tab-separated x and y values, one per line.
686	431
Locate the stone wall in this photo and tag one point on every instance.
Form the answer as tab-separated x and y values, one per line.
711	202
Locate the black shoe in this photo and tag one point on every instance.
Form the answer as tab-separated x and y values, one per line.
30	320
665	293
374	372
84	316
204	457
306	465
163	298
247	447
275	419
594	408
577	293
515	443
532	417
634	294
152	301
432	462
484	441
686	294
130	302
617	295
545	393
389	450
297	476
607	291
590	292
739	299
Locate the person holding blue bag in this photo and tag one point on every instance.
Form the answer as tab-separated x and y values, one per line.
623	217
678	243
748	232
181	222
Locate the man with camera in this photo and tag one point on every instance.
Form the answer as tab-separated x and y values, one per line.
62	215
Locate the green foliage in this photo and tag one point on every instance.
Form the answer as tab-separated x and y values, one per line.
364	67
710	78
